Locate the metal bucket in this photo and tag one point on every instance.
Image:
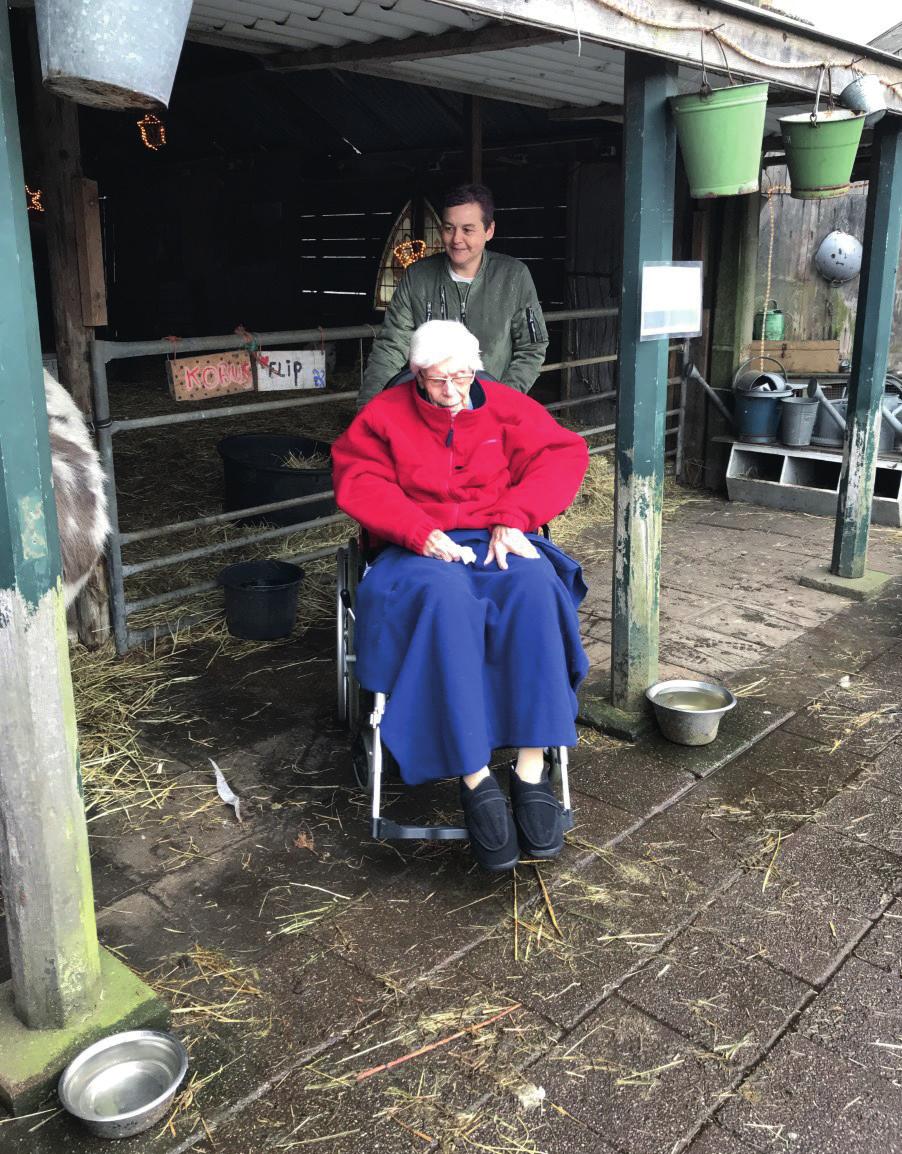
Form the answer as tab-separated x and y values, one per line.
865	94
797	417
720	136
756	401
820	153
689	712
125	1083
757	417
111	53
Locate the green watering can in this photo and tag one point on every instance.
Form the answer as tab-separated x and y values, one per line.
771	321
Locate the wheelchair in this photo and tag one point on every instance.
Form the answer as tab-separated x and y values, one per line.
362	712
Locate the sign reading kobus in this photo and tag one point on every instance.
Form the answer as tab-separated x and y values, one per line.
213	375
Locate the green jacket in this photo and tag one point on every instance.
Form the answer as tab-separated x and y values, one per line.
500	307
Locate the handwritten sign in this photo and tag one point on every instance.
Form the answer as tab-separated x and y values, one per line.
291	369
213	375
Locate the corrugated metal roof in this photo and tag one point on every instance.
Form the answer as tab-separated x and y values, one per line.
283	24
554	75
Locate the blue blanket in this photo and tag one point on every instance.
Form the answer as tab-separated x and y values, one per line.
472	657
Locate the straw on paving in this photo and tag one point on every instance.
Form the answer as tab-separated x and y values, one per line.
113	698
413	1065
206	989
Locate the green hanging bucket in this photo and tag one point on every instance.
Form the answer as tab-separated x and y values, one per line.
820	151
720	134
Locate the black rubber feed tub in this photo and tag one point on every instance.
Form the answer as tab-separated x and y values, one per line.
255	474
261	598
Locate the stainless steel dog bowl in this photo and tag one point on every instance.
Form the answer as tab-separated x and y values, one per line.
689	712
125	1083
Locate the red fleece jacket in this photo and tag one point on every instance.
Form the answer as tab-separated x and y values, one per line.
405	467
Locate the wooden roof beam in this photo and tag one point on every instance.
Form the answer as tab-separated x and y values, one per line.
512	95
595	112
355	57
758	44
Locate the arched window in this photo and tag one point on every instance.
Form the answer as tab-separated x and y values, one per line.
403	248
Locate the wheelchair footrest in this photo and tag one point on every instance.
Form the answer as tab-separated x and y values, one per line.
384	829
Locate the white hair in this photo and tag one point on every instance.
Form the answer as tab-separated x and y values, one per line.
438	341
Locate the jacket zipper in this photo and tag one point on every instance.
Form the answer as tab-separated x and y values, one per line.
449	445
443	302
531	323
463	298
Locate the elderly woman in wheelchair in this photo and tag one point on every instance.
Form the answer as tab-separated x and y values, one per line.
467	617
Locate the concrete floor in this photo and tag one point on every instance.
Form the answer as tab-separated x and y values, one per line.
721	973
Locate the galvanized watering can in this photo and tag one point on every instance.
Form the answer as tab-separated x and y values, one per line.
771	321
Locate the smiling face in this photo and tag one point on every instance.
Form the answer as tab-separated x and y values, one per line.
464	236
447	384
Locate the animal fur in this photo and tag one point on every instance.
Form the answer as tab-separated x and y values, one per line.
78	486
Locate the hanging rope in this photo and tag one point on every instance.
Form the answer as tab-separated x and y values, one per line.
725	41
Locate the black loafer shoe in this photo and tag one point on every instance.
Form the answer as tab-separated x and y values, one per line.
538	817
493	838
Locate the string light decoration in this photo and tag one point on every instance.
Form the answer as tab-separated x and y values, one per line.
153	131
408	252
33	196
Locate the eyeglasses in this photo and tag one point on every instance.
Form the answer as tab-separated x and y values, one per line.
461	378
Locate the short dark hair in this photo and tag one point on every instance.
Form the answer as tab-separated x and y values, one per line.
471	194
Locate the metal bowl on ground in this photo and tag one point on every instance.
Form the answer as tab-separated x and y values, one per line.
125	1083
689	712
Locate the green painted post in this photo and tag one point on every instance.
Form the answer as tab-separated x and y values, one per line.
873	324
44	863
649	156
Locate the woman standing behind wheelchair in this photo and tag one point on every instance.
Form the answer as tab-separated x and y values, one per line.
467	616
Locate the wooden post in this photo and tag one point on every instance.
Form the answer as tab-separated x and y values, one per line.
75	261
649	155
473	138
873	324
65	992
734	308
693	402
44	863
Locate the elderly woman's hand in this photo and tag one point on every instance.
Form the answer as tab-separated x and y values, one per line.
506	540
440	546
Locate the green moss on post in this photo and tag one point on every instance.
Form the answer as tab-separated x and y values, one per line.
648	166
31	1061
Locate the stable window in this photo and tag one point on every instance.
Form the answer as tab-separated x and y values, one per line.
403	249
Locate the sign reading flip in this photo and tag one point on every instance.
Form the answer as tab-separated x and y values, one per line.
291	369
213	375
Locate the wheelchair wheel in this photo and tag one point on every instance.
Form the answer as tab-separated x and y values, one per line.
347	577
361	761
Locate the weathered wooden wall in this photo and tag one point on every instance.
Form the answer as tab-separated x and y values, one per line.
202	251
594	257
814	309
